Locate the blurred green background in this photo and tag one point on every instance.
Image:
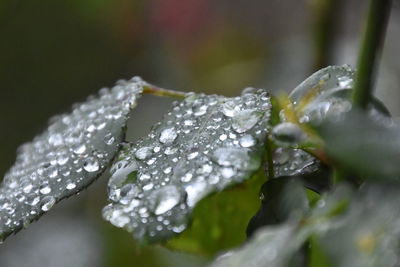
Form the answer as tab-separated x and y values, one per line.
56	52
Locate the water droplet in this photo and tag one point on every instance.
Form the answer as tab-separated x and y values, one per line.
91	165
167	170
70	185
236	157
148	187
109	139
47	203
345	82
192	155
187	177
245	120
45	190
199	111
56	140
164	199
80	149
115	216
144	153
230	108
227	172
170	150
247	141
223	137
168	136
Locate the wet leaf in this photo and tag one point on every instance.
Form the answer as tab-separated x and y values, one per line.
363	145
347	228
292	161
285	196
283	244
203	145
367	234
281	199
219	221
74	150
273	246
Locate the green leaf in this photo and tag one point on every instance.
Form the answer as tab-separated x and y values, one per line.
282	198
346	228
219	221
205	144
367	234
70	154
363	144
273	246
283	244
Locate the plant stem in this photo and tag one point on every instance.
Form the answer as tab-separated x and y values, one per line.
377	18
154	90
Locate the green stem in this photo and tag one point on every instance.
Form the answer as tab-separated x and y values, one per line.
154	90
377	18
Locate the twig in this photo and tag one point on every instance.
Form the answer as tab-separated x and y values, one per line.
154	90
377	18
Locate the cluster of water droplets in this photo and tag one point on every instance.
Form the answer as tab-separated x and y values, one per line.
204	144
291	161
67	156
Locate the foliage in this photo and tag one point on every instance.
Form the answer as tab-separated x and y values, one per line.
326	165
187	184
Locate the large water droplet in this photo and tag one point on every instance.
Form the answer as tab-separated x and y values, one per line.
165	199
168	136
245	120
247	141
91	165
47	203
144	152
45	190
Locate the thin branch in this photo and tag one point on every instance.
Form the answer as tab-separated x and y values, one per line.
377	18
154	90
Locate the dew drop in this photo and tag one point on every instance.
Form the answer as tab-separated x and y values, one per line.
245	120
80	149
247	141
199	111
144	153
164	199
91	165
45	190
168	136
70	185
47	203
109	139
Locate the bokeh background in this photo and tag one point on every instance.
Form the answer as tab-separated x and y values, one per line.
57	52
